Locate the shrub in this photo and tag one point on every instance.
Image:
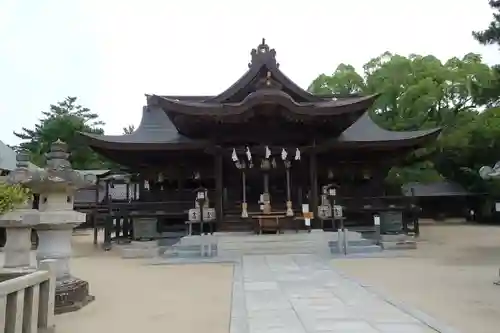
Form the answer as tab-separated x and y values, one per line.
12	196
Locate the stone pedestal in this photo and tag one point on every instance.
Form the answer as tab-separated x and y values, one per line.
18	225
54	242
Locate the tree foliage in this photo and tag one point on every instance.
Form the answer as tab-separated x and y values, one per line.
129	129
63	121
421	92
491	35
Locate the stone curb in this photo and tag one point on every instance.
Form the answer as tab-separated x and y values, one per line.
381	254
424	318
189	261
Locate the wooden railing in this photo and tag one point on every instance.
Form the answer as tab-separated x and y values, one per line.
27	300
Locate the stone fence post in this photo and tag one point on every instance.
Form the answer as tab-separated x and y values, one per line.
27	300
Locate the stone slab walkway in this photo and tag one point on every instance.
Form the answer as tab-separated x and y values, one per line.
305	294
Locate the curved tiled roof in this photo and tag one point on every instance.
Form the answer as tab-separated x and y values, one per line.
321	108
366	131
155	131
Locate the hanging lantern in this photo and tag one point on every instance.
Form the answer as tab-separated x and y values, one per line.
249	154
297	154
268	152
234	157
160	177
284	154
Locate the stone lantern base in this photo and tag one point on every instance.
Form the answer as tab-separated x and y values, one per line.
72	294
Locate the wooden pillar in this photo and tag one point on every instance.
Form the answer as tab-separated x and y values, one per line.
313	173
95	211
218	187
180	184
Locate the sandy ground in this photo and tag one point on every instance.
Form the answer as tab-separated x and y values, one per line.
450	276
132	297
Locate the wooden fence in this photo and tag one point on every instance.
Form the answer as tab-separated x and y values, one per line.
27	300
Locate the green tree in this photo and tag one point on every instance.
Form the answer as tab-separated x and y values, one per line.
129	129
419	92
62	121
492	33
491	36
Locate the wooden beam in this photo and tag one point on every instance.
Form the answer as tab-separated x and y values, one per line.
218	187
313	173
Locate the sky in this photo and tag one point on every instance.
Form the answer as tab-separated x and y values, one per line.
109	53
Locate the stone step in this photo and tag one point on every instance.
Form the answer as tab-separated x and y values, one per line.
269	251
394	238
141	244
357	242
401	245
138	253
307	243
255	239
357	249
364	249
187	252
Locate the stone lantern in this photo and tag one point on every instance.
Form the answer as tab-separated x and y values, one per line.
18	223
56	185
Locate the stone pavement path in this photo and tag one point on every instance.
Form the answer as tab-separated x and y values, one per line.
305	294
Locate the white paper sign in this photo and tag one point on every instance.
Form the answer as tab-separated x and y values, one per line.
497	206
324	212
307	222
376	220
194	214
337	211
209	214
305	208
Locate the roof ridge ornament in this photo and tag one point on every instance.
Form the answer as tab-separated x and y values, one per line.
267	82
263	54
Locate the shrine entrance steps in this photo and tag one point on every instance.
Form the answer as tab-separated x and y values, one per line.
227	245
231	246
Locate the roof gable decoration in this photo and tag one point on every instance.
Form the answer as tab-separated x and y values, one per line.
263	54
263	64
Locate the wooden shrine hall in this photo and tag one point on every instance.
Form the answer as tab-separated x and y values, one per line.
262	146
